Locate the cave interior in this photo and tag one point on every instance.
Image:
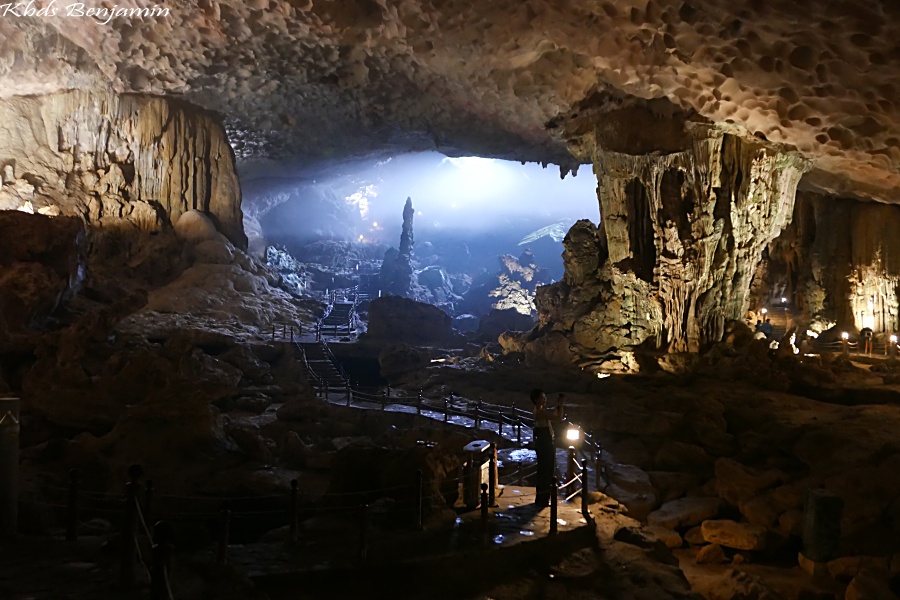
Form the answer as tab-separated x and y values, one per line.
278	280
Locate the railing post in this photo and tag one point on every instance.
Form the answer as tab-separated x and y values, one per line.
349	394
477	414
72	508
554	508
130	527
148	505
420	500
162	561
500	422
364	535
571	471
446	410
383	400
518	431
584	490
292	511
492	474
9	466
484	508
224	532
292	334
273	332
419	403
326	389
598	470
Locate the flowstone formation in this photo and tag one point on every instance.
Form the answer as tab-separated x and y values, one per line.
682	232
396	270
129	162
838	263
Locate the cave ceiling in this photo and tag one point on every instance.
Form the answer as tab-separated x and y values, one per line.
310	80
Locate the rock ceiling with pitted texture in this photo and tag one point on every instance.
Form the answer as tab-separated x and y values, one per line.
308	79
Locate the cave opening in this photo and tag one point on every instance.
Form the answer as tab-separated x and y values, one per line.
485	232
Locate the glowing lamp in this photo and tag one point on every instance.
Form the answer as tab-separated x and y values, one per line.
784	300
764	311
893	339
845	336
573	434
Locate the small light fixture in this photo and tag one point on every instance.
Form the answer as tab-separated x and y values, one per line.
573	433
783	300
893	339
764	311
845	336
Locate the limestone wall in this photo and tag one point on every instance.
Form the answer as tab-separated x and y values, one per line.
132	161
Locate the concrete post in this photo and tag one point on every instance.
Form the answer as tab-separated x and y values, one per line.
9	466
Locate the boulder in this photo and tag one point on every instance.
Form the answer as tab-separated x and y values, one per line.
631	486
711	555
740	536
848	567
667	536
195	227
402	320
685	512
736	483
396	360
499	321
870	585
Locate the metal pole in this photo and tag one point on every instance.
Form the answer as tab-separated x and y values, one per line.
9	466
554	500
224	532
420	499
492	474
598	471
292	511
72	509
571	470
584	490
419	403
484	508
477	414
446	410
148	505
364	535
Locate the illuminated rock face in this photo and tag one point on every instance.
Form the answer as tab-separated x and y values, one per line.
681	236
117	161
326	78
839	262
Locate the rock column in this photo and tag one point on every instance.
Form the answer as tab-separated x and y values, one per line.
682	233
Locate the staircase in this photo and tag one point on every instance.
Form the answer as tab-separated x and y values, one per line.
325	371
781	318
340	319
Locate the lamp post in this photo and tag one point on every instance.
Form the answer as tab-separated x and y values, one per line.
9	466
845	348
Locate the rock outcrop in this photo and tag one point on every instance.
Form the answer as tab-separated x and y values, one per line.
42	263
512	287
403	320
682	233
117	161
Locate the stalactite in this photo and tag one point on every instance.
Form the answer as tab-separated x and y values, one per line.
115	160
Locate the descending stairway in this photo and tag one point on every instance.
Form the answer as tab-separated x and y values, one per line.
339	319
780	318
325	369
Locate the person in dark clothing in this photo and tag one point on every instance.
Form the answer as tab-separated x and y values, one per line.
543	443
767	329
758	326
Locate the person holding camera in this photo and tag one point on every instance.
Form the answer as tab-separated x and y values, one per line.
543	443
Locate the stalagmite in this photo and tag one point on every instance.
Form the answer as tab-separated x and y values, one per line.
682	233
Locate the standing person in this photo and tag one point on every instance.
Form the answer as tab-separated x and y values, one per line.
543	443
767	329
